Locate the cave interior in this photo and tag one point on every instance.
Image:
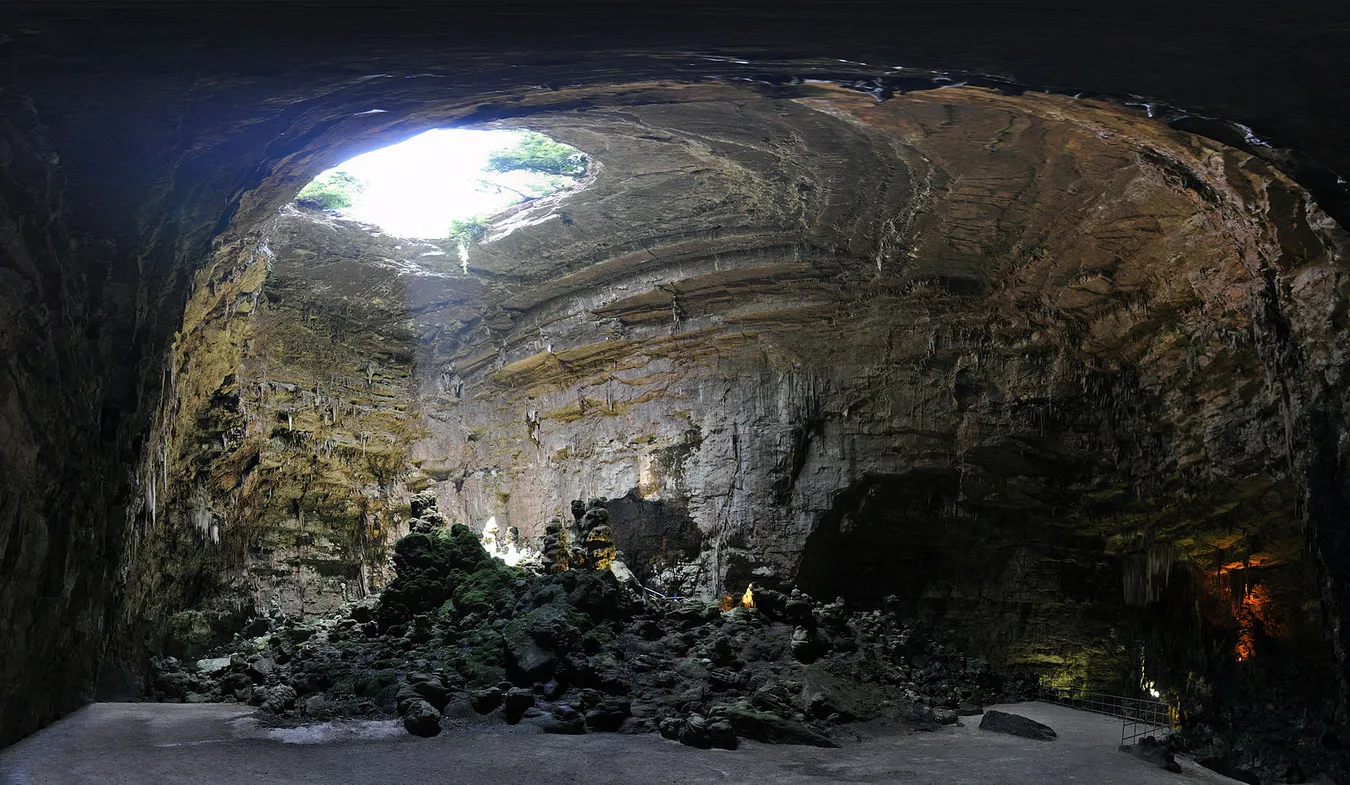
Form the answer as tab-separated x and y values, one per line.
986	340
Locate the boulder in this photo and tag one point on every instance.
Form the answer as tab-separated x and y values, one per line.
430	688
752	723
278	699
363	611
214	665
694	732
565	723
1016	725
315	706
422	719
604	719
722	735
261	668
534	640
485	701
517	700
670	728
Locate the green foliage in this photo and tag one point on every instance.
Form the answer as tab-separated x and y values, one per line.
540	154
546	167
488	591
467	230
331	191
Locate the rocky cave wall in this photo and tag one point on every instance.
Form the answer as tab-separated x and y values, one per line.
997	355
283	442
1150	361
1031	331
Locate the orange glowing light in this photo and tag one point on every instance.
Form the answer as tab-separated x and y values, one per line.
1256	607
728	602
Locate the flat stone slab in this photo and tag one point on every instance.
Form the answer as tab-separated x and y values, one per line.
1017	725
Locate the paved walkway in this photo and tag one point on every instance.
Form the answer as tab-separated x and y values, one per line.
221	744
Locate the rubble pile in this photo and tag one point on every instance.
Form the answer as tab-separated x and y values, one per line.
571	648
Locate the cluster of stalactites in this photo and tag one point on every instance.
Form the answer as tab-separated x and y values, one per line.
1148	572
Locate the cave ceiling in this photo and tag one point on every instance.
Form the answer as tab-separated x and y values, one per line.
943	232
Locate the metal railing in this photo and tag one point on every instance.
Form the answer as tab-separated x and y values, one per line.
1140	717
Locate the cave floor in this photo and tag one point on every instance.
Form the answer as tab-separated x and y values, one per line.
145	743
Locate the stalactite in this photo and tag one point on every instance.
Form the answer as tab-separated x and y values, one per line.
1147	572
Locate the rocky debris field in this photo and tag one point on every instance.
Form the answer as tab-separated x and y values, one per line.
573	649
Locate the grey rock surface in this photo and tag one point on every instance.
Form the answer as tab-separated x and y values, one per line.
1016	725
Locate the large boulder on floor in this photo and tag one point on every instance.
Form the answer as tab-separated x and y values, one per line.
535	639
751	723
517	700
278	699
1016	725
484	701
422	719
563	720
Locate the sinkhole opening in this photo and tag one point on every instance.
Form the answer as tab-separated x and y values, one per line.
447	183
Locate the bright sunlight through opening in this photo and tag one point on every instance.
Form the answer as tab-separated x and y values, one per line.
447	182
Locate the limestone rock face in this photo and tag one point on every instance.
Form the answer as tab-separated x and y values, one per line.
1006	357
812	325
1010	358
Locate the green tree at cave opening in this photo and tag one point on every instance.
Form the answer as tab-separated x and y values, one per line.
468	229
537	153
552	166
331	191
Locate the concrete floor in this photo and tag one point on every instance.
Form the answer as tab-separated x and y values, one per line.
148	743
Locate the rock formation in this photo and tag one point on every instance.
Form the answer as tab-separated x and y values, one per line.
459	633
